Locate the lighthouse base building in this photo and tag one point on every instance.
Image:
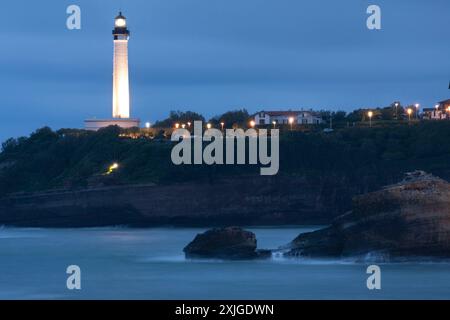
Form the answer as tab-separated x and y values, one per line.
121	86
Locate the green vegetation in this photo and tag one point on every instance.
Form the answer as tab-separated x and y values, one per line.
235	118
178	117
362	156
232	119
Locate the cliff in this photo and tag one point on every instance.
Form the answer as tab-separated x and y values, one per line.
252	200
411	218
319	174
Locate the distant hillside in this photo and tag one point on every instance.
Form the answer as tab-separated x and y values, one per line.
364	157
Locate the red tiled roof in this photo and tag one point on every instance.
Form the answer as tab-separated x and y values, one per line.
284	113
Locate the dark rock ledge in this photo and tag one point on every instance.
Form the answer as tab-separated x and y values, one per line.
404	220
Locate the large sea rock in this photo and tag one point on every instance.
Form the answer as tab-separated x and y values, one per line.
408	219
225	243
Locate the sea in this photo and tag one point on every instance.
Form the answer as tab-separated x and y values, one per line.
123	263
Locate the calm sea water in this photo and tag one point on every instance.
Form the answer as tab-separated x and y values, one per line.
149	264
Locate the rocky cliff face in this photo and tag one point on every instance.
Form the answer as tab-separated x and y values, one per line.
411	218
253	200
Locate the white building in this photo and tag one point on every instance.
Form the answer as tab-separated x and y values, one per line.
282	117
121	87
440	112
434	114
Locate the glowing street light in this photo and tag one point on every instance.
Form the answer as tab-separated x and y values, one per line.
417	110
177	125
252	123
222	124
189	124
208	125
274	124
291	121
183	126
409	111
147	125
370	114
112	167
396	110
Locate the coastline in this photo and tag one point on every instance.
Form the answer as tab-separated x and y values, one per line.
251	200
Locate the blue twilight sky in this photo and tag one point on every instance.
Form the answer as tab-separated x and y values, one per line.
211	56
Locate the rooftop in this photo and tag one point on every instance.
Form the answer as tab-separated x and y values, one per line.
285	113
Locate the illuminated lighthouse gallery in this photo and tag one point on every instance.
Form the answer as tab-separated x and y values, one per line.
121	86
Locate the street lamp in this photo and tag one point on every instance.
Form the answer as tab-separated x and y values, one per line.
252	123
222	124
177	125
147	125
189	124
112	167
291	121
409	114
417	110
396	110
370	114
183	126
208	125
274	124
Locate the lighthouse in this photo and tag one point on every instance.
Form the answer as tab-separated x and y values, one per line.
121	84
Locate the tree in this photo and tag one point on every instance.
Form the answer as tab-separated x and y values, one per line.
233	118
387	113
339	115
9	145
356	115
179	117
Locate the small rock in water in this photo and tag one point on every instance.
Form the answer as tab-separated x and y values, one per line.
225	243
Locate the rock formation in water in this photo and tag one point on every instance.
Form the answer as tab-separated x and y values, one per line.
411	218
225	243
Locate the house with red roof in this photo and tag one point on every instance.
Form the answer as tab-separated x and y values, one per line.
286	117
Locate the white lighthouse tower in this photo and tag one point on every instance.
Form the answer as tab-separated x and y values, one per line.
121	85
